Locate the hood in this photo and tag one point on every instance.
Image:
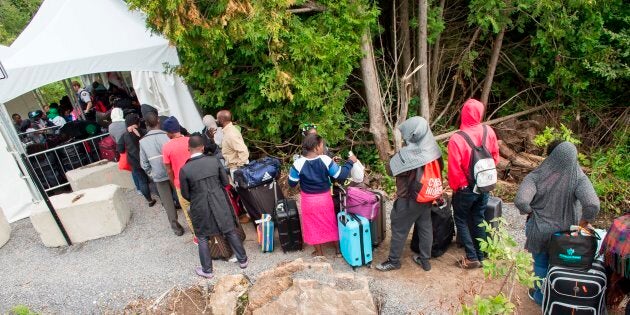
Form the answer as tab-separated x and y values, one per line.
146	108
472	113
563	156
414	129
117	114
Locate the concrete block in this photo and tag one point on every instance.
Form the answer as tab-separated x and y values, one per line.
99	174
86	214
5	229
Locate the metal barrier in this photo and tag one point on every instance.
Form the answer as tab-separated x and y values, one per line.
50	166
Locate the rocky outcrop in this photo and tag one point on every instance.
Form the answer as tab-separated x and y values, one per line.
227	295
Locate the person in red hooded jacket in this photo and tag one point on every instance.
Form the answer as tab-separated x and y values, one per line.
469	206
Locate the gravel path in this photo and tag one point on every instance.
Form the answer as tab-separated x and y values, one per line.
146	260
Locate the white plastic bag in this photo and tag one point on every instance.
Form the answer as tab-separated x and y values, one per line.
357	173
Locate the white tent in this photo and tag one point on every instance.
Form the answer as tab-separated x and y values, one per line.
68	38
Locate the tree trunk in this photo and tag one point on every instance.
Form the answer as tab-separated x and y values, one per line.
405	39
436	59
492	66
373	98
422	52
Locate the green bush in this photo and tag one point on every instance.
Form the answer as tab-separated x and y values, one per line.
610	174
21	310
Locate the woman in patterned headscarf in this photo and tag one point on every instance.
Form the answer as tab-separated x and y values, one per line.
551	196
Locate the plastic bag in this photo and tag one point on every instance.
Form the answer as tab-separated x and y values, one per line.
357	173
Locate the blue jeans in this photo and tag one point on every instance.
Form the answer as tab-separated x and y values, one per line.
541	266
135	180
469	209
143	182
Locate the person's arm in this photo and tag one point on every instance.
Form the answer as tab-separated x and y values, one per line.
166	158
294	177
183	184
493	146
454	164
85	96
223	177
340	173
121	144
525	195
171	174
144	161
241	150
208	143
585	193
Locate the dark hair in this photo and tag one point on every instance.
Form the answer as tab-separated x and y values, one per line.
311	142
16	114
152	120
76	83
553	145
195	141
54	105
132	119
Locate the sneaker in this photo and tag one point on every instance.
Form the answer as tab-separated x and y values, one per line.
468	264
530	293
178	232
233	259
243	265
207	275
152	202
387	265
139	193
244	219
424	263
195	240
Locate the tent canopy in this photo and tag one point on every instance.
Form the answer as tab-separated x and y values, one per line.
65	40
68	38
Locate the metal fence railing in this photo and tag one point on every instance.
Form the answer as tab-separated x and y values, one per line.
50	166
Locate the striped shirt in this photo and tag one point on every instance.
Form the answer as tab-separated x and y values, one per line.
314	174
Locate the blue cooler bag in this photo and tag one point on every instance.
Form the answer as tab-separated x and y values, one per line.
355	239
265	233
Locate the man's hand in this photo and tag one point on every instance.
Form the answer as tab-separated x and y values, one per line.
585	224
337	159
211	132
132	128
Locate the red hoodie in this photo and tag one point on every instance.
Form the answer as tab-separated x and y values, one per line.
459	150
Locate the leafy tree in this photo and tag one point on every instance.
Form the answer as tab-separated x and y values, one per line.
14	16
273	67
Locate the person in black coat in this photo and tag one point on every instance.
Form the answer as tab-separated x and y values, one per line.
129	142
201	181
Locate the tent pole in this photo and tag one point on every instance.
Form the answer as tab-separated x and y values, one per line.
15	148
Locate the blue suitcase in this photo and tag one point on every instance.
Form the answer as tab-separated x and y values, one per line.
265	233
355	239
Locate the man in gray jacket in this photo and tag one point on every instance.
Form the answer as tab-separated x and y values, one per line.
151	162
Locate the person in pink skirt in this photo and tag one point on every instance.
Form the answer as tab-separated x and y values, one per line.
313	172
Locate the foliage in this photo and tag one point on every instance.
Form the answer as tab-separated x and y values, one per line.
610	174
551	134
53	92
274	69
14	16
502	261
21	310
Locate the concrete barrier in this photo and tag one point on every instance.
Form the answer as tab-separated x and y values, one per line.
5	229
86	214
99	174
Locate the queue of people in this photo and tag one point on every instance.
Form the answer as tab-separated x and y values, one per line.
196	168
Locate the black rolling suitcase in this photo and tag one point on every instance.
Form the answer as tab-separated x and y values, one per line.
573	291
287	219
443	229
493	209
260	199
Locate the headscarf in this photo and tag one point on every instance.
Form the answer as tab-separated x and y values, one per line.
146	108
53	113
420	149
117	115
209	122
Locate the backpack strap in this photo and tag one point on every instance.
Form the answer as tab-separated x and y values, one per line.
467	138
485	134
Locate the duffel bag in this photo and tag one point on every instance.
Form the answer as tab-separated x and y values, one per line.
257	172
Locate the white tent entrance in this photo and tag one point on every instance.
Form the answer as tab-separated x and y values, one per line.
63	41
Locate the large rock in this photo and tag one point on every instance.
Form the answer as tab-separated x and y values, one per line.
227	295
99	174
5	229
310	287
86	215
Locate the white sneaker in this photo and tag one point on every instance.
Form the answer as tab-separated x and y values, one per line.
139	193
233	259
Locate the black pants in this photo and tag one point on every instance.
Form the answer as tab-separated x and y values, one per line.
232	239
405	213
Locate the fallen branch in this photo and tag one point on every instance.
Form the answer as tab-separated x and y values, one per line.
310	6
498	120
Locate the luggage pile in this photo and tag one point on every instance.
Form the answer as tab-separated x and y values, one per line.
576	282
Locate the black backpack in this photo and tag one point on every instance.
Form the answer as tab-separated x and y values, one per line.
482	174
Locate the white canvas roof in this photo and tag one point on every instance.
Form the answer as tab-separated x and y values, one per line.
68	38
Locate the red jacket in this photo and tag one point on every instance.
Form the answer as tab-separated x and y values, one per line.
459	150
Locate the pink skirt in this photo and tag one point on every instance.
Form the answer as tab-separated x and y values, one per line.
319	223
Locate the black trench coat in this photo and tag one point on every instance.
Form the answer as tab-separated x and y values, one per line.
201	181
